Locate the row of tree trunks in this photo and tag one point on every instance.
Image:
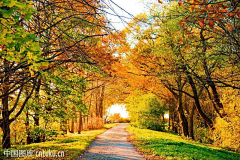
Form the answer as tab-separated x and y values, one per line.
178	121
176	126
94	117
197	103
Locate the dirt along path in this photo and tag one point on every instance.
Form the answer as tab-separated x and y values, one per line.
112	145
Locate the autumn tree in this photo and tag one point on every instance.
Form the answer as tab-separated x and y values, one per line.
182	47
41	39
20	56
165	36
115	117
146	111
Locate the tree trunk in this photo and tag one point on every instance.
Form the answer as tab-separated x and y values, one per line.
96	104
29	138
101	102
36	115
174	127
5	125
169	119
72	126
191	122
36	124
182	118
6	143
65	122
65	126
198	106
80	126
208	73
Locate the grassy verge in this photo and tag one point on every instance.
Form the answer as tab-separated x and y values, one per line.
162	145
72	144
110	125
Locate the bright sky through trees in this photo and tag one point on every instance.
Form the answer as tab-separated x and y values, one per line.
122	11
118	108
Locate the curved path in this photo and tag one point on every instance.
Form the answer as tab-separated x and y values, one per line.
112	145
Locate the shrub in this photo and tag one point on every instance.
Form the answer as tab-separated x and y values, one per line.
124	120
146	111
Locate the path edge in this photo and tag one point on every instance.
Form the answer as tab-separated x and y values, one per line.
87	148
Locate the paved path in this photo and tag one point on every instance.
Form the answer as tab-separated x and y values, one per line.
112	145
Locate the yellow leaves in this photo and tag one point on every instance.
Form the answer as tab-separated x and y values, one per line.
24	34
213	15
138	28
12	3
29	54
44	63
32	57
3	21
11	53
8	40
191	9
227	129
126	31
31	70
44	93
71	96
55	73
43	100
35	46
102	18
141	16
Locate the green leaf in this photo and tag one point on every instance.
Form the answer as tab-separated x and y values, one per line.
35	46
28	16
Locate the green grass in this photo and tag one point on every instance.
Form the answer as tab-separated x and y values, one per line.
162	145
72	144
